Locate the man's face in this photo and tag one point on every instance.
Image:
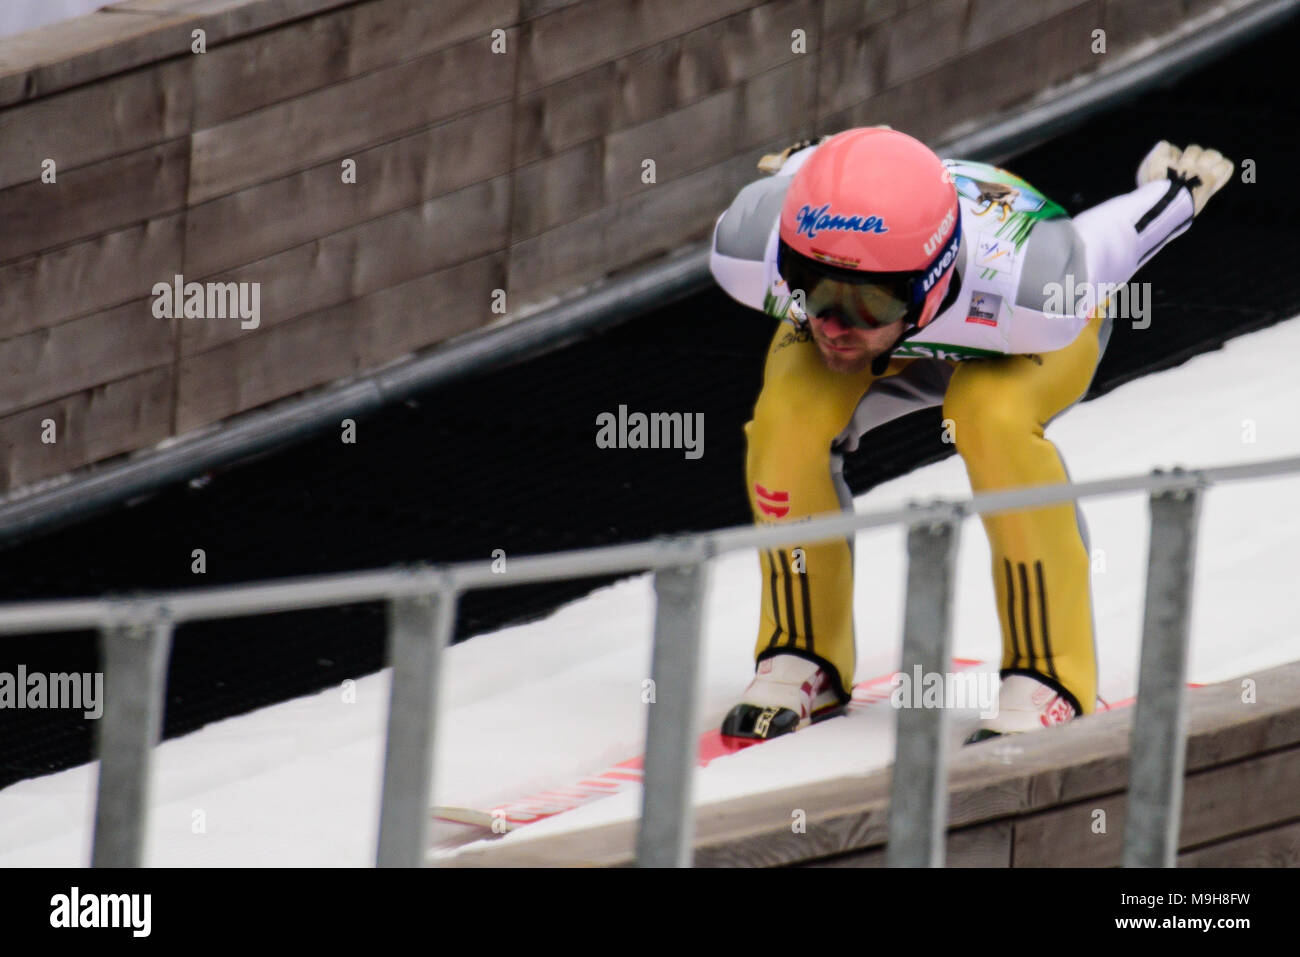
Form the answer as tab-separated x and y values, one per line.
850	349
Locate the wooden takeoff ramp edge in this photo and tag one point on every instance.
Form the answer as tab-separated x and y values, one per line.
1055	798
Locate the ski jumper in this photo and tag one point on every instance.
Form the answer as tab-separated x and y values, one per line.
1013	346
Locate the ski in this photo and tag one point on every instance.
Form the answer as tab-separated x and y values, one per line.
454	826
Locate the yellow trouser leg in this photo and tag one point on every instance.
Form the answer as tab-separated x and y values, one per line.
808	589
1041	568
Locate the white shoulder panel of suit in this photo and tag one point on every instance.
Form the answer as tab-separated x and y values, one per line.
1018	250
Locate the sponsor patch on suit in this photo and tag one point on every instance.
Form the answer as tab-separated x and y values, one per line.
984	308
995	254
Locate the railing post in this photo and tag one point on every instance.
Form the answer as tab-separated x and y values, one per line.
918	807
1159	745
135	645
667	814
419	628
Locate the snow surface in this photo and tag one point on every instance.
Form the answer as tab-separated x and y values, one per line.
545	704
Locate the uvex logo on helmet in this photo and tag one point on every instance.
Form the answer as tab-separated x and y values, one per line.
940	265
932	244
812	221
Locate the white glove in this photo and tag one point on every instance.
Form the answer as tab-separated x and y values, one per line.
1210	169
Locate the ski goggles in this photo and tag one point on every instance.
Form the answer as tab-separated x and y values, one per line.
862	299
867	300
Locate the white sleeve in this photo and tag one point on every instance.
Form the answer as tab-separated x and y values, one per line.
1122	233
744	280
742	248
1118	237
1032	331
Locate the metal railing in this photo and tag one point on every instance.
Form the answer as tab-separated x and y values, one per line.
136	638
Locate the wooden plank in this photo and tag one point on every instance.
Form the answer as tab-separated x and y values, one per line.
535	8
453	228
340	341
289	358
659	79
1273	847
81	353
432	309
346	118
84	49
565	114
1070	836
575	38
931	105
988	845
265	68
108	270
1203	8
1247	795
1223	728
843	17
257	222
119	115
94	199
992	20
1129	22
557	190
1253	793
851	68
1053	51
755	831
762	110
1074	763
91	425
923	37
224	20
354	262
1063	764
627	232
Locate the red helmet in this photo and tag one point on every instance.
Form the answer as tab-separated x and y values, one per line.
870	229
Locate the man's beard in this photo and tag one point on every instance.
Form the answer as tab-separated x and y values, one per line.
854	363
847	364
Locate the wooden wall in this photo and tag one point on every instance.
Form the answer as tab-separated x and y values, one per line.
475	170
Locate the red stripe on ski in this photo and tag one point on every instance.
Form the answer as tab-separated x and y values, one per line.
1125	702
712	745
